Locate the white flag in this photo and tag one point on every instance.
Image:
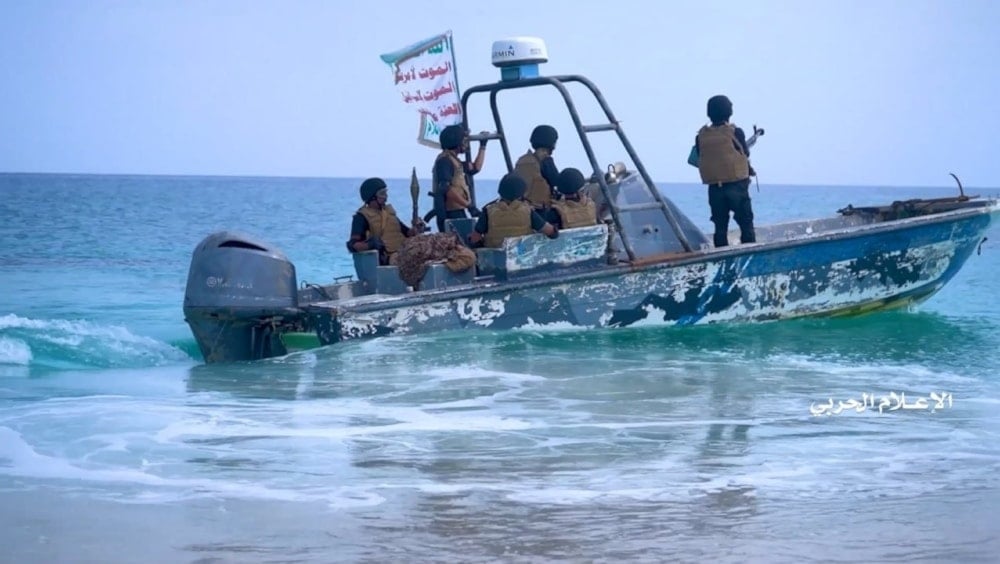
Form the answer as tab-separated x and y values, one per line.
427	81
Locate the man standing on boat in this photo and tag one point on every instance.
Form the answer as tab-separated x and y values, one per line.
723	161
450	185
376	227
573	209
509	216
538	169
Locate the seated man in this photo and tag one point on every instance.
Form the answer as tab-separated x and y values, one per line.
509	216
375	225
574	209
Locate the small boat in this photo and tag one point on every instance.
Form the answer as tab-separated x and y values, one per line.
646	264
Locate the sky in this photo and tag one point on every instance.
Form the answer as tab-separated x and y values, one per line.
870	92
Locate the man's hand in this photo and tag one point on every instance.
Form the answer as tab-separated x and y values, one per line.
374	244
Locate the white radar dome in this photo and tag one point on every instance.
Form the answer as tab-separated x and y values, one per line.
519	51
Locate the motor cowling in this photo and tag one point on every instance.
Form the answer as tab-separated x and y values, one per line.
237	275
241	294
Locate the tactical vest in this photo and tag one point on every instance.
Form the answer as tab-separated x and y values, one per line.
384	224
506	219
529	167
457	179
576	213
720	156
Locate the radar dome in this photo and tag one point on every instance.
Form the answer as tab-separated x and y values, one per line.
518	57
519	51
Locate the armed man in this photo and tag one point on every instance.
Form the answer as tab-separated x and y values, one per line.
450	186
376	227
724	165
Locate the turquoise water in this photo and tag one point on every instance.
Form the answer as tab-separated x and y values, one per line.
118	445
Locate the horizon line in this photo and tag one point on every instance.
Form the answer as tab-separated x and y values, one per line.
273	176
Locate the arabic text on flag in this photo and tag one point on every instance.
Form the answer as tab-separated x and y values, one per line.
425	76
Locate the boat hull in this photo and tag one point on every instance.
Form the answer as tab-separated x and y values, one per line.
846	272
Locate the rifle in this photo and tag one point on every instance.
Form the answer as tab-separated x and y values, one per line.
757	132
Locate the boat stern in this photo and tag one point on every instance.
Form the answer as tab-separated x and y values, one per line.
240	296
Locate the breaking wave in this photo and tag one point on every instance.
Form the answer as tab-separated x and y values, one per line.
74	344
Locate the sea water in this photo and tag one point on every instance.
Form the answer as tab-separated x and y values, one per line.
117	444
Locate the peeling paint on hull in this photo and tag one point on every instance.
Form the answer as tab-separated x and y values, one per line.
824	276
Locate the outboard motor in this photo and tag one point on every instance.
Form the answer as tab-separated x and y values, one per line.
239	292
